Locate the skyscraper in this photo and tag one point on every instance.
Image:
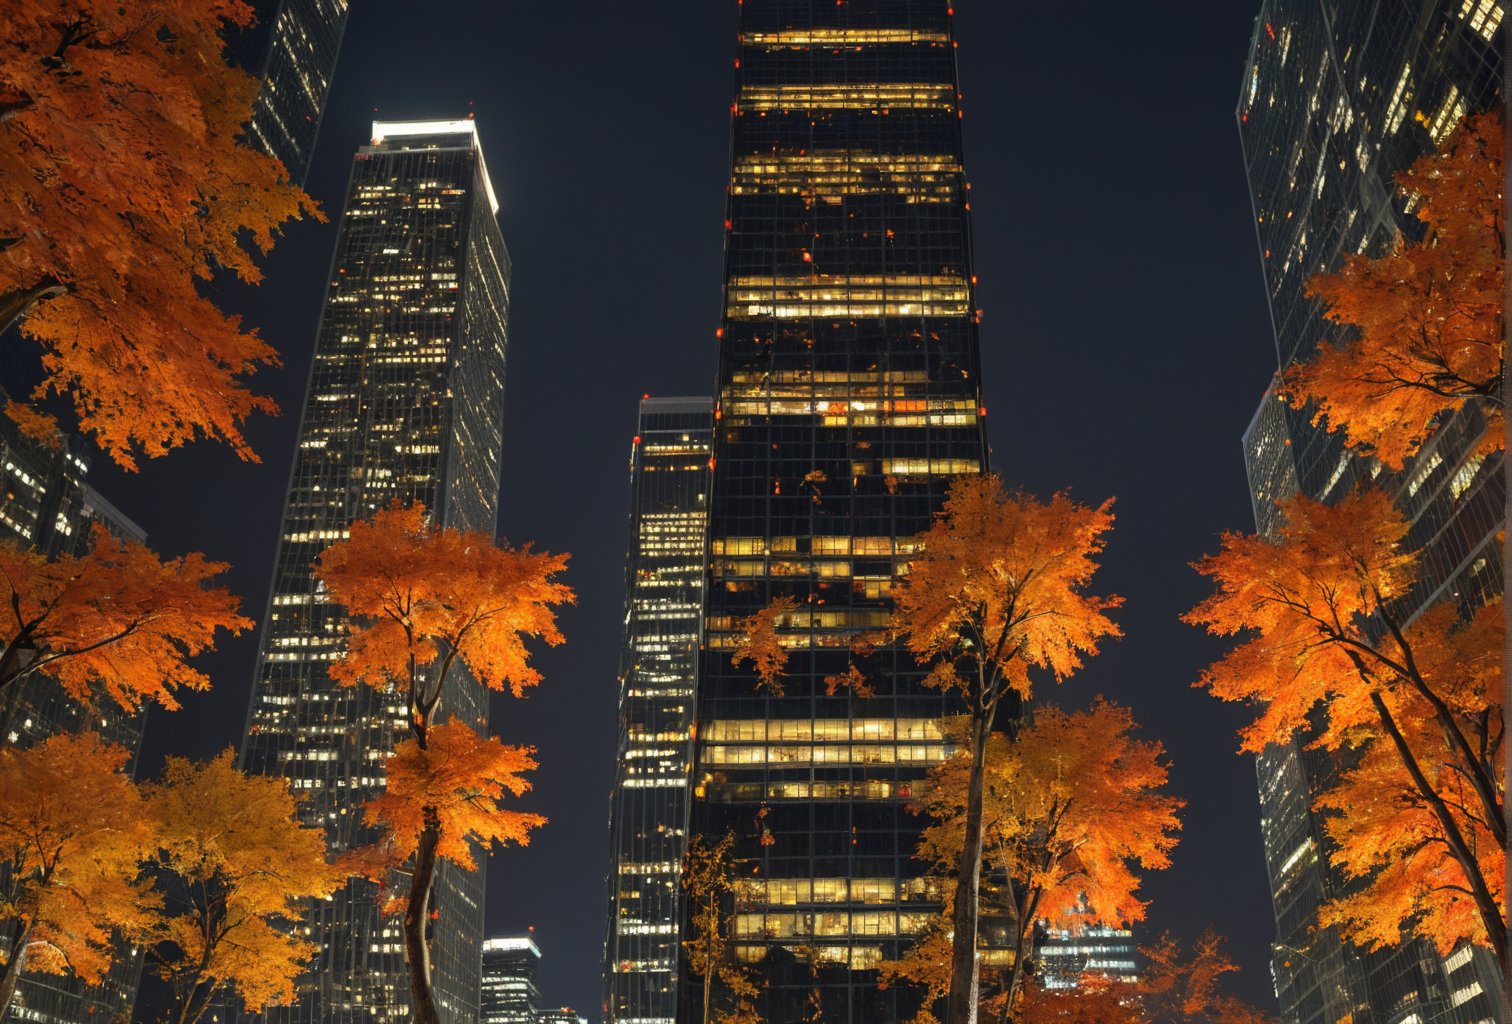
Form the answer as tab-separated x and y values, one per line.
47	506
293	48
848	399
405	403
511	981
648	812
1077	945
1335	99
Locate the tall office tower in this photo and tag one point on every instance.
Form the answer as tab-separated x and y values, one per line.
1078	945
405	403
1335	99
46	506
511	981
648	811
293	48
847	402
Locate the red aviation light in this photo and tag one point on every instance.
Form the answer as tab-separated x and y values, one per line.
982	411
635	439
719	332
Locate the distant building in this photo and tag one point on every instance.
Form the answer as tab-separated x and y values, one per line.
648	816
561	1016
46	506
511	981
405	403
293	48
1075	946
1335	99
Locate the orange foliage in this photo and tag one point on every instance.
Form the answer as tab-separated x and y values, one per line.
122	184
462	778
34	424
1427	315
1421	815
926	966
1386	834
116	618
422	598
1095	1000
1304	601
72	835
1175	990
999	581
761	644
233	861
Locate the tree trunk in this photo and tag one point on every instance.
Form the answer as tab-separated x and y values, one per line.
1021	950
416	948
15	303
13	968
708	981
1491	916
1506	708
961	1004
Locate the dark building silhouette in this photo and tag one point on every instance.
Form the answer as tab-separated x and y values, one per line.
848	399
648	813
405	403
1335	99
293	48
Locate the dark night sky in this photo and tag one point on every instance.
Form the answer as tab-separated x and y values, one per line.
1125	344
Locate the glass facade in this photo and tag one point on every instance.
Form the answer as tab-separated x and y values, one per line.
46	506
848	399
1077	945
293	48
511	981
405	402
1335	98
648	813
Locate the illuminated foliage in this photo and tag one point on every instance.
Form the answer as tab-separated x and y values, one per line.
444	792
760	644
1177	990
232	861
122	185
997	587
1071	805
423	599
1318	608
1427	316
708	882
72	835
117	618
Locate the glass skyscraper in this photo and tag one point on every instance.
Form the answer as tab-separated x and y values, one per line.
848	399
1335	99
648	812
511	981
405	403
293	48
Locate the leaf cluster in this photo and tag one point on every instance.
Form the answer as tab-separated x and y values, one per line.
124	181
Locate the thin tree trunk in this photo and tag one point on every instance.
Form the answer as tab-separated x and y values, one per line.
1021	951
1506	410
415	913
708	981
1491	917
961	1004
13	968
15	303
194	1008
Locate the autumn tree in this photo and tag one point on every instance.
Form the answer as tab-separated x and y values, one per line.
116	620
124	181
708	883
425	602
1072	805
442	797
72	835
232	862
1424	321
1326	648
997	587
